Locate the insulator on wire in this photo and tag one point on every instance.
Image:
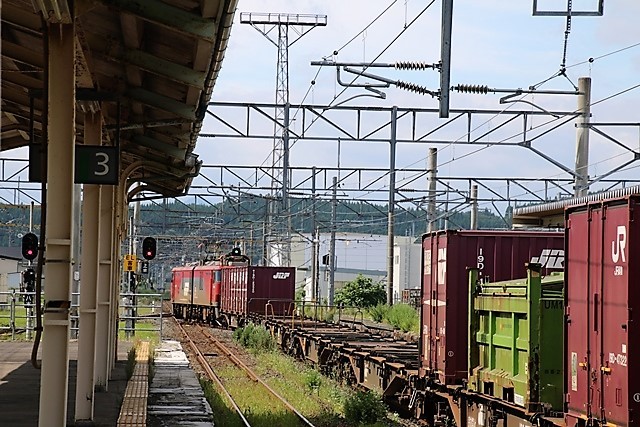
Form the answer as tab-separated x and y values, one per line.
412	87
412	65
472	89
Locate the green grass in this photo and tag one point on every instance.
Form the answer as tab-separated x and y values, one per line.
152	334
20	317
321	400
292	379
223	412
403	317
259	407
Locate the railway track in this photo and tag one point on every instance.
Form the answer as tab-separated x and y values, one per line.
197	338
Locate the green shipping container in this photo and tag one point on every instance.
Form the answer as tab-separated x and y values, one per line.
516	339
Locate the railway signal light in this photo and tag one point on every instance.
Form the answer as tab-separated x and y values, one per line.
149	248
30	246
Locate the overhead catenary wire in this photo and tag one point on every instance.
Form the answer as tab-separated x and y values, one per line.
335	52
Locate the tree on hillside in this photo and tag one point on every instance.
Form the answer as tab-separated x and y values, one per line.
361	292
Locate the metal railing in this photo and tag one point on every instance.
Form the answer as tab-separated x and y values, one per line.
17	314
136	308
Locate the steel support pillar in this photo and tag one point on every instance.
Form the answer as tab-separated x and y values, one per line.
58	243
119	231
114	286
314	240
445	57
88	281
332	245
103	293
474	207
582	137
432	171
392	203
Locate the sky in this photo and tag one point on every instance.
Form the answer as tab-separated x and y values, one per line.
497	43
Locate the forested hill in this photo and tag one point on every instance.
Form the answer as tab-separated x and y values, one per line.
238	214
250	212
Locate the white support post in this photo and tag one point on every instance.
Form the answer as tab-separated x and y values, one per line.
432	173
582	137
474	207
88	281
103	315
58	243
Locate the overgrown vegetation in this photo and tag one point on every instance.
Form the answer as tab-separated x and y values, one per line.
403	317
255	338
361	292
364	408
378	312
313	380
223	413
400	316
322	400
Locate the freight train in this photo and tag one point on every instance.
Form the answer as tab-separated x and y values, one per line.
229	291
557	349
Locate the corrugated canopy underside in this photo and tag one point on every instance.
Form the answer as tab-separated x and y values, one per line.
152	63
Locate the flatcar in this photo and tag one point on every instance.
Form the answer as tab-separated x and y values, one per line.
229	291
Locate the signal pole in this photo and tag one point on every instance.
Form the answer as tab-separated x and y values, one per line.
391	205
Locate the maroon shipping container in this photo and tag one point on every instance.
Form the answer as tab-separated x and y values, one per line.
248	290
498	255
602	365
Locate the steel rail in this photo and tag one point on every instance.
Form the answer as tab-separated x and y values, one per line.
252	375
210	373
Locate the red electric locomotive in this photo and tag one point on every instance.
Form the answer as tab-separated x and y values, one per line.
228	291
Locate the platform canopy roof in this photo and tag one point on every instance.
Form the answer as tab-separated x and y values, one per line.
149	65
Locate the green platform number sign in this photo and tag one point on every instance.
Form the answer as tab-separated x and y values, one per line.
93	164
96	165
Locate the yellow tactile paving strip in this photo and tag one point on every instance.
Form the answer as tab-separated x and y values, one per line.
133	412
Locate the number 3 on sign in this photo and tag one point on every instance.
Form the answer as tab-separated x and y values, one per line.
103	164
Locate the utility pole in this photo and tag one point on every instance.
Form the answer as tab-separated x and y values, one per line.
432	166
446	209
474	207
445	57
332	244
314	239
392	203
582	137
264	23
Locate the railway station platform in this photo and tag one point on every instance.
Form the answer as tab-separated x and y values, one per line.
20	386
173	398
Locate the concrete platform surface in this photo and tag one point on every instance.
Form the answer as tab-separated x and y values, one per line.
175	395
20	386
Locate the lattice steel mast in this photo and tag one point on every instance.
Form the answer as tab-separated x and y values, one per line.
266	23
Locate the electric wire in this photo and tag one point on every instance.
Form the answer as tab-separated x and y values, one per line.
335	52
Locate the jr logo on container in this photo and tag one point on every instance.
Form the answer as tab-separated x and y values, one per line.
281	275
618	248
550	258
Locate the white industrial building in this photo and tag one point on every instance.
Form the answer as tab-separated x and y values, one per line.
406	265
9	271
364	254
